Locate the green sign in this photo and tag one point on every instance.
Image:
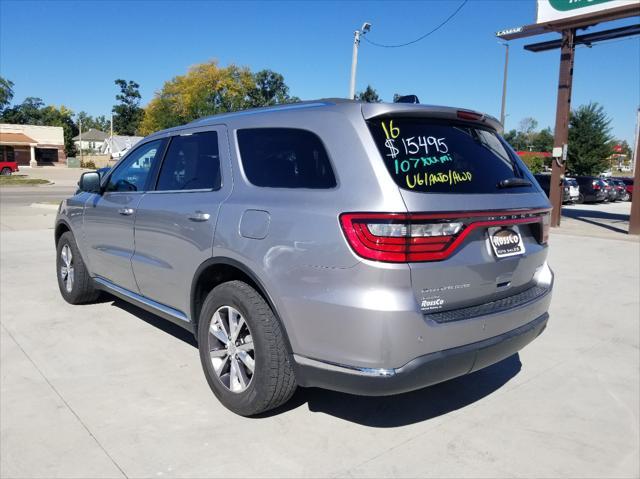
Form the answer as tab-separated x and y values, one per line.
565	5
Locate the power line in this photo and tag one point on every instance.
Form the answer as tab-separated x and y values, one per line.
423	36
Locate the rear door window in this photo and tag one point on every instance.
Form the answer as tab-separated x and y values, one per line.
285	158
431	156
191	163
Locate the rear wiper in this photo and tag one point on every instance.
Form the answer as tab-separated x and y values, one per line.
513	182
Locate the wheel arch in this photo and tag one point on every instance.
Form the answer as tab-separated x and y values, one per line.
218	270
61	228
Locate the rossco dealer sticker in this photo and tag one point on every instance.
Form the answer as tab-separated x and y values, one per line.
506	241
431	304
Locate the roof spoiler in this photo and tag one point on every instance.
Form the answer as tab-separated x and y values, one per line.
373	110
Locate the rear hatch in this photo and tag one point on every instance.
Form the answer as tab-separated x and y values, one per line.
477	221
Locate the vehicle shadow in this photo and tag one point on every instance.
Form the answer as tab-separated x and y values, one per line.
379	412
150	318
591	217
407	408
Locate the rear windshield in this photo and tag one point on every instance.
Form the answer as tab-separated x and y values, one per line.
431	156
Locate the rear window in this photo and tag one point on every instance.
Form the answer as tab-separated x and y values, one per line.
431	156
285	158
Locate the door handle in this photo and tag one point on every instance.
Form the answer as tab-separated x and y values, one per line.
126	211
199	216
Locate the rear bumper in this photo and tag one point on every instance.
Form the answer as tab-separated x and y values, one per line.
420	372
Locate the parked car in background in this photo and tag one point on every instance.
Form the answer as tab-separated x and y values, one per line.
544	180
611	189
621	189
592	189
574	189
7	165
300	252
628	185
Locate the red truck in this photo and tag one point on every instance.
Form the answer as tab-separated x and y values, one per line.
8	164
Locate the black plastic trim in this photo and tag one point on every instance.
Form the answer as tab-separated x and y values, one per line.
425	370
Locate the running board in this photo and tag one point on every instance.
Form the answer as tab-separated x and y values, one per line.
147	304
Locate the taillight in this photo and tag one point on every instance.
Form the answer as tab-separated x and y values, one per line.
596	185
406	238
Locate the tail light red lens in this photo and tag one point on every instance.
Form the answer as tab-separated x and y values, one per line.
406	238
596	186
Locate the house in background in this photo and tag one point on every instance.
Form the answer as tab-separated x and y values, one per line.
31	145
117	145
91	142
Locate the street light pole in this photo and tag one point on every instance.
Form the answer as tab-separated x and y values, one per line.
354	58
504	85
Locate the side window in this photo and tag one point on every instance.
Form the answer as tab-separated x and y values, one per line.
134	173
285	158
191	163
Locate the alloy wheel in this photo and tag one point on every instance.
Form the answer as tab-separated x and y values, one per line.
231	349
66	269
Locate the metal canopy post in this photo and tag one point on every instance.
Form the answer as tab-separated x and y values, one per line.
563	110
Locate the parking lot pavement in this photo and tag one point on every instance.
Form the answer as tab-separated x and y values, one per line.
107	390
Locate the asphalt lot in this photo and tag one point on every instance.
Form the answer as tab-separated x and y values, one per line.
107	390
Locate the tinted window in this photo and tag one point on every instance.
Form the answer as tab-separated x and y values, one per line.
191	163
285	158
429	156
133	173
7	153
544	180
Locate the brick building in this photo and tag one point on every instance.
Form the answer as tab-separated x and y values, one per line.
32	144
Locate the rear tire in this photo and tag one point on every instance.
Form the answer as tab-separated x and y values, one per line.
6	171
76	286
580	199
253	369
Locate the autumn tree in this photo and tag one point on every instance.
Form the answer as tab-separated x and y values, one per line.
208	89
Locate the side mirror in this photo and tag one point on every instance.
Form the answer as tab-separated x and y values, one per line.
90	182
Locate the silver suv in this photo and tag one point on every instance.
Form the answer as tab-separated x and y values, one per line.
366	248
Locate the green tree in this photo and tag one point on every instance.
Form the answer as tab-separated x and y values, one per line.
27	112
6	93
99	123
534	163
517	140
208	89
127	113
543	140
590	141
270	89
369	95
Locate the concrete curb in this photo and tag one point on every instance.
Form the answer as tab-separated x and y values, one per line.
44	205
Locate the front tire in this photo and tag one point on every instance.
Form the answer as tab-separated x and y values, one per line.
76	286
243	351
6	171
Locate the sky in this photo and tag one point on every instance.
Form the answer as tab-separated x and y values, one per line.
70	53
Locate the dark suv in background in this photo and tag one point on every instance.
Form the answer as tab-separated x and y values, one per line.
544	180
592	189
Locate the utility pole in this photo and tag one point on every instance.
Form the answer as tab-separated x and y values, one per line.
561	134
504	85
354	58
634	218
80	142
